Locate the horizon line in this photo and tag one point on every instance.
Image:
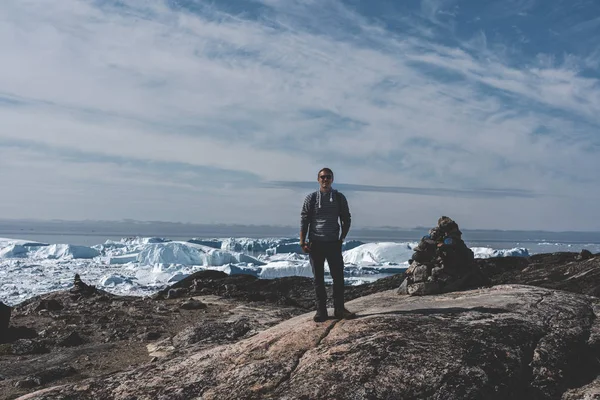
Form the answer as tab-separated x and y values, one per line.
199	224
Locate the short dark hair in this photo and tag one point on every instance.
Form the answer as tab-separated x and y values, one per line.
328	170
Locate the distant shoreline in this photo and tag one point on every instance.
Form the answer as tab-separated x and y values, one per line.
29	229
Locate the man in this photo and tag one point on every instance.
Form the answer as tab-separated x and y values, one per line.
319	219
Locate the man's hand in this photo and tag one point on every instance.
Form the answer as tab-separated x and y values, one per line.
305	247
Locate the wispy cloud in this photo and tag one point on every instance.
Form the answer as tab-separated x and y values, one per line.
430	191
438	99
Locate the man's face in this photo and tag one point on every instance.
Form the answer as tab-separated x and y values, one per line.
325	180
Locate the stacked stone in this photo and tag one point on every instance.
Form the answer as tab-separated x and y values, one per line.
80	288
442	262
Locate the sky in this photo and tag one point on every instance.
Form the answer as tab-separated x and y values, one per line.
224	111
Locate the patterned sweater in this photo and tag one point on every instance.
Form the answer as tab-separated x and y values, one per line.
320	214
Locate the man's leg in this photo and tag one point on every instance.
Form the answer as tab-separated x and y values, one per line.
336	268
317	263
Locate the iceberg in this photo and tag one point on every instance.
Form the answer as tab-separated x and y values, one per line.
52	252
187	253
65	251
248	244
14	251
124	259
232	269
140	266
279	269
380	253
114	280
216	243
486	252
27	243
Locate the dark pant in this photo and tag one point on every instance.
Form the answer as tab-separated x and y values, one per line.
332	252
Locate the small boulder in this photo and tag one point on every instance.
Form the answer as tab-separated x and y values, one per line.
421	272
192	304
584	255
5	349
424	288
49	375
55	373
160	349
29	346
213	332
71	340
29	382
151	335
403	289
50	305
175	293
21	332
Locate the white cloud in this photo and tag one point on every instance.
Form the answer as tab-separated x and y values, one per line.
280	96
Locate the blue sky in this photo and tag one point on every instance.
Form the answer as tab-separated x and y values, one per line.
223	112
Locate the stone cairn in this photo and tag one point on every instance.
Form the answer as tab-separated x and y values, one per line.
81	289
441	263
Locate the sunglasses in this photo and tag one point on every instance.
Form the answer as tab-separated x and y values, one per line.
323	177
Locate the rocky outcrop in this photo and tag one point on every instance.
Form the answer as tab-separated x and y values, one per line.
563	271
509	341
205	337
291	291
587	392
99	333
442	263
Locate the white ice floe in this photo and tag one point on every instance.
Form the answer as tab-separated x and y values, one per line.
251	245
29	243
53	251
271	246
279	269
486	252
124	259
141	266
114	280
14	251
190	254
64	251
380	254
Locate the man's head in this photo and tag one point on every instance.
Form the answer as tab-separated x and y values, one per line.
325	178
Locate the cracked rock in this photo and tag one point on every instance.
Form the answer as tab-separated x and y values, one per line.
509	341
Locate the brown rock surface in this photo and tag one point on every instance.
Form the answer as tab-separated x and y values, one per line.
587	392
563	271
510	341
507	341
90	333
98	335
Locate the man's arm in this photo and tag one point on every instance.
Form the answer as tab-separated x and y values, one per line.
304	220
302	238
345	218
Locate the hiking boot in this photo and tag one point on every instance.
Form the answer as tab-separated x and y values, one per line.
344	314
320	316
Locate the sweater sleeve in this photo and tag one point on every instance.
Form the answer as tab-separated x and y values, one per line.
345	216
305	214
